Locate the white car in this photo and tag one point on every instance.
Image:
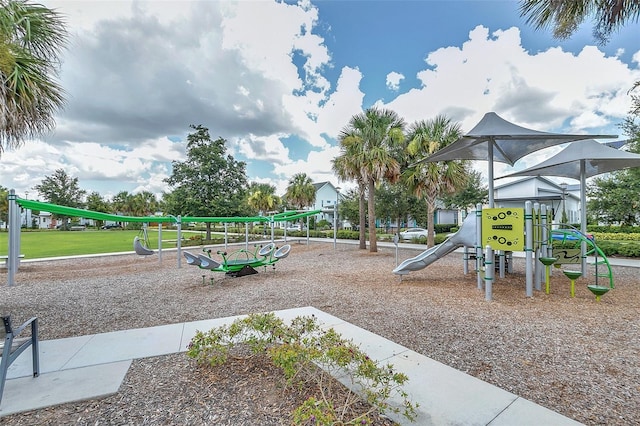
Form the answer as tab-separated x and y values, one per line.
411	233
294	227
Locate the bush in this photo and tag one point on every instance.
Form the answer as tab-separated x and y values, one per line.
439	238
609	248
444	228
323	225
632	236
613	229
298	350
629	250
344	234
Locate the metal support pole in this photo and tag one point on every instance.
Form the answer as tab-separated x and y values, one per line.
13	250
537	232
273	231
490	171
465	260
528	248
246	236
489	269
179	222
307	230
479	260
335	217
545	232
583	216
335	225
159	242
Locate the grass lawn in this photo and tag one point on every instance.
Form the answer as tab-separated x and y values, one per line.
39	244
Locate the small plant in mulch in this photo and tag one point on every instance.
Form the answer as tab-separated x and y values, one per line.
310	357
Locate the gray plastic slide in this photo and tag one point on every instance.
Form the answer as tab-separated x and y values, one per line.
464	237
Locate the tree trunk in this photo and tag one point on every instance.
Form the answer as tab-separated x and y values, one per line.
373	243
431	208
208	233
362	222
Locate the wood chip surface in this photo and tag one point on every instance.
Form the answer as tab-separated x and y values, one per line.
575	356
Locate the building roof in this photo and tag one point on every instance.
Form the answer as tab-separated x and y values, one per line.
320	185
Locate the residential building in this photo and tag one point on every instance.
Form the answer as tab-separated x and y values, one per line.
557	196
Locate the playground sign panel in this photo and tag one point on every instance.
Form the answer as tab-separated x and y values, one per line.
503	228
566	256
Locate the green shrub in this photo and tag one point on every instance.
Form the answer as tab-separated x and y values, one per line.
629	250
298	350
348	235
441	228
439	238
609	248
632	236
323	224
613	229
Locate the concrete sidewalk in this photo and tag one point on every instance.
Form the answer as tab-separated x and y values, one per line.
94	366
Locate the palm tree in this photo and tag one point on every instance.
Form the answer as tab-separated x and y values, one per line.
144	203
430	180
374	140
565	16
346	167
31	39
262	197
300	192
122	203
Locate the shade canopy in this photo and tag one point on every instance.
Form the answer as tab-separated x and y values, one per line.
510	142
581	160
597	158
496	139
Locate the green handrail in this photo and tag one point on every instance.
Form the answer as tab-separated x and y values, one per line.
580	237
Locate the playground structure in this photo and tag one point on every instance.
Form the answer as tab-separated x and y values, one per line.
140	243
504	231
463	238
496	231
240	262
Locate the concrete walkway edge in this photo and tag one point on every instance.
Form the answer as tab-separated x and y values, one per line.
94	366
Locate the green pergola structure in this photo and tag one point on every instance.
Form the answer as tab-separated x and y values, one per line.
16	203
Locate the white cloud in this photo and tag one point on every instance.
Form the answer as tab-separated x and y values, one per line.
541	90
393	80
268	148
260	74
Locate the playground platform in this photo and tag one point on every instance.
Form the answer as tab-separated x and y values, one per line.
94	366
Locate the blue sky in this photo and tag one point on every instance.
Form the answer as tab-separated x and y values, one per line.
279	81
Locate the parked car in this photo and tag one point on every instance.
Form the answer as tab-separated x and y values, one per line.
71	227
294	227
112	226
411	233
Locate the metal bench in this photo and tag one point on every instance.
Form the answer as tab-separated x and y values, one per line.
13	345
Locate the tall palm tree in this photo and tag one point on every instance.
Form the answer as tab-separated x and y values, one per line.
346	167
429	180
144	203
374	138
122	203
300	192
262	197
31	40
